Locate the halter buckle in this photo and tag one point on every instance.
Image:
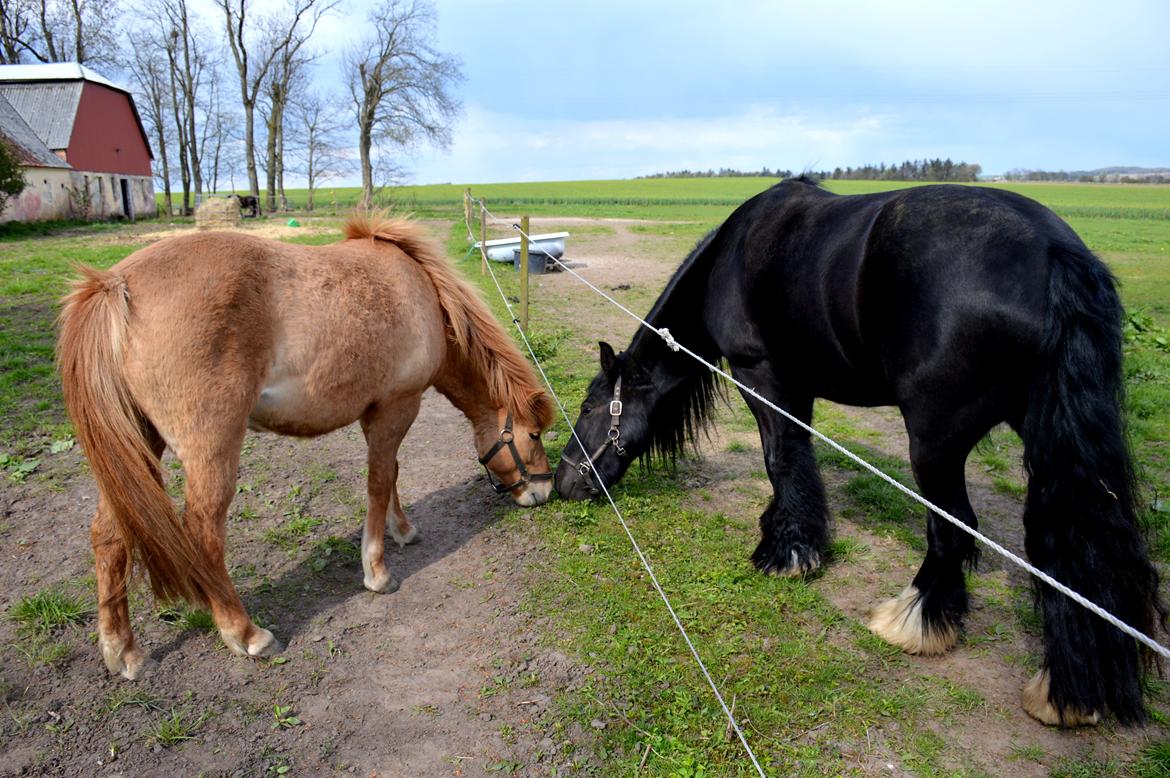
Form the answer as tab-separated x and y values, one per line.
615	408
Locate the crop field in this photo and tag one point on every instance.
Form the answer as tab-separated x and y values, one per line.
816	692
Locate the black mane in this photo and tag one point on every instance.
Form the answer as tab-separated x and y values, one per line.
682	414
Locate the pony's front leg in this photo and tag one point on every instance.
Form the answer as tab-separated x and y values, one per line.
795	525
385	425
116	640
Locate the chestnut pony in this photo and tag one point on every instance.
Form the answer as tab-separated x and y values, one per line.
191	341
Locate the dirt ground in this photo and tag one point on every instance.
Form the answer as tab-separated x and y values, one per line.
450	675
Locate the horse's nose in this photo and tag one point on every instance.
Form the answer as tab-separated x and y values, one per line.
569	483
536	493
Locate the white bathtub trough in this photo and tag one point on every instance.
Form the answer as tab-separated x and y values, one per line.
502	249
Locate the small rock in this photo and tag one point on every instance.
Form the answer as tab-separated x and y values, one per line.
585	548
597	724
485	716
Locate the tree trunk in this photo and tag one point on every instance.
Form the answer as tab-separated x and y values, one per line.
280	162
166	168
270	159
184	170
189	98
250	148
364	143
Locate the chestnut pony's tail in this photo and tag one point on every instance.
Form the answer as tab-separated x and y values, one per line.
113	432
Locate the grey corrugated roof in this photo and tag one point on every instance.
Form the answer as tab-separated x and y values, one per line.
48	107
55	71
30	149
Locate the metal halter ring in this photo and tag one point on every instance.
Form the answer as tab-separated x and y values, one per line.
507	438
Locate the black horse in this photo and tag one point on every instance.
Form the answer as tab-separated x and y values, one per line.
963	306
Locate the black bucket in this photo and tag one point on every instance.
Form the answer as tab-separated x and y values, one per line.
537	261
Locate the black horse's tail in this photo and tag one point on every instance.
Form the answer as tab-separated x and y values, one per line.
1080	511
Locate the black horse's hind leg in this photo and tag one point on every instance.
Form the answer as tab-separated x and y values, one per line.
927	616
795	525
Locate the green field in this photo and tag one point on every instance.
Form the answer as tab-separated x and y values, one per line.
814	686
692	197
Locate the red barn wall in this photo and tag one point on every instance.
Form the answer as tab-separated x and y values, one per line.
106	137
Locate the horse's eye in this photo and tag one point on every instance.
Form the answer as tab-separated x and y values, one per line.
534	435
586	408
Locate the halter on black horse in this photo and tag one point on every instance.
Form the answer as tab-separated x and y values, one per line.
585	467
508	439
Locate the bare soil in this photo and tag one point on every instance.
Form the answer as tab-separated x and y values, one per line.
451	674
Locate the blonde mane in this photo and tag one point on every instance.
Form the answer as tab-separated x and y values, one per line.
511	382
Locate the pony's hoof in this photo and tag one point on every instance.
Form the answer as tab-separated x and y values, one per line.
382	584
131	664
410	538
798	563
899	622
263	644
1038	706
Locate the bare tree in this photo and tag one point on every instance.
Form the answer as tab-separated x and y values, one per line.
151	83
287	74
400	85
16	25
255	44
218	140
191	67
316	130
84	31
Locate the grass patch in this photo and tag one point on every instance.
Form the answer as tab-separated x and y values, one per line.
129	697
50	610
176	726
184	618
788	657
333	550
289	534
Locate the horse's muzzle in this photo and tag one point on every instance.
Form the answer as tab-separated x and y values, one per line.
571	485
536	493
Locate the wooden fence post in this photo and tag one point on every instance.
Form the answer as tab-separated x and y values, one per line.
524	273
483	238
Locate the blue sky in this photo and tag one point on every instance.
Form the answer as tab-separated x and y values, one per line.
586	90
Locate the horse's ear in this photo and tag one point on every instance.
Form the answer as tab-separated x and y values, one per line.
608	358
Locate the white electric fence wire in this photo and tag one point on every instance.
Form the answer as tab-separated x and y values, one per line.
674	345
622	520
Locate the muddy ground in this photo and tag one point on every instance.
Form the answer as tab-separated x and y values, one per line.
451	674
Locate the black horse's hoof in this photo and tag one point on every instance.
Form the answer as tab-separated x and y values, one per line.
788	561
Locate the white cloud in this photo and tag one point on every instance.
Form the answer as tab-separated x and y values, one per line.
491	145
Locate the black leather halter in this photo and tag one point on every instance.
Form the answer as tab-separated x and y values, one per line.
614	437
508	439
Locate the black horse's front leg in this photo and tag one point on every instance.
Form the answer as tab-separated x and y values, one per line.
795	525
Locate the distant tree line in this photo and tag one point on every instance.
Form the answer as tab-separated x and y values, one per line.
1105	175
723	172
226	90
910	170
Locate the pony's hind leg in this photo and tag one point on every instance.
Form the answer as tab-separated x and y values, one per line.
927	616
211	483
385	425
115	638
795	526
120	651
